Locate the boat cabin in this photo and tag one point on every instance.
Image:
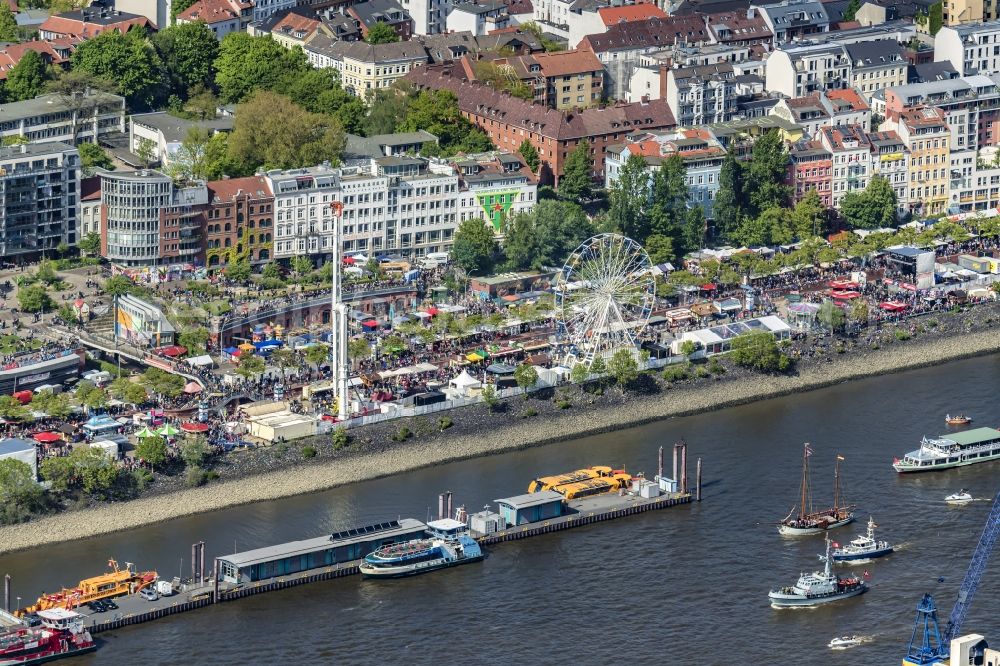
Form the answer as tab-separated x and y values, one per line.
446	528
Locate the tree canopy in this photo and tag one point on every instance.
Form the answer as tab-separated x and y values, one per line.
873	208
576	182
188	52
93	156
28	77
546	235
381	33
475	247
129	60
246	64
766	172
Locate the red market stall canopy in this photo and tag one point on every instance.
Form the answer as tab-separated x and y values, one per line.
845	295
349	261
173	350
892	306
431	311
842	285
708	286
194	427
47	437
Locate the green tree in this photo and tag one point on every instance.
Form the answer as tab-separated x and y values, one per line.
530	155
79	93
20	496
201	103
729	203
437	112
91	243
318	354
758	351
831	316
358	349
475	247
96	400
247	64
11	409
694	230
859	310
8	25
765	183
809	216
495	76
490	398
178	7
302	266
153	450
34	299
546	235
250	366
145	150
239	271
117	285
194	451
873	208
669	202
526	376
851	10
195	339
129	60
273	132
93	156
283	359
135	395
629	199
28	77
579	374
188	52
598	366
623	367
660	249
381	33
576	183
190	160
388	108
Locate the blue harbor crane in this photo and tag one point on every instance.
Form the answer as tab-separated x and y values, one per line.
934	645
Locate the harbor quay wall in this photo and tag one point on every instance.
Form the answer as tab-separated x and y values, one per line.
502	433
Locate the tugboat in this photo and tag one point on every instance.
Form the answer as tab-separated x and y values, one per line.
862	549
61	634
816	522
957	420
115	583
449	546
961	497
817	588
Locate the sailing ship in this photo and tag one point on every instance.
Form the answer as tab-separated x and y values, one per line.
808	521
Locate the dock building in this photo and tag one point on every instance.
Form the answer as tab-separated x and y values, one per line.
530	508
296	556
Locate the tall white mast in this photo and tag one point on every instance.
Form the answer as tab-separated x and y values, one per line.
338	317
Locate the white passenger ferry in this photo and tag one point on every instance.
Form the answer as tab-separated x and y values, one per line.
953	450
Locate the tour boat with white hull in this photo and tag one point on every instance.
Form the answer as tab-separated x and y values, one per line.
863	548
817	588
952	450
449	546
816	522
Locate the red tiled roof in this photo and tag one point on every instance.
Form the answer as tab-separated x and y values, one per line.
849	96
563	63
213	11
520	7
636	12
61	25
634	35
484	101
90	188
12	54
227	188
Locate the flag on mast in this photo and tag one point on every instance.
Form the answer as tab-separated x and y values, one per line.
840	457
809	450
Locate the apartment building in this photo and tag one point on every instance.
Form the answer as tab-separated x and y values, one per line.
221	16
796	70
479	18
508	121
366	14
850	152
167	132
91	21
701	95
39	199
925	132
971	48
793	19
971	105
700	150
148	221
366	67
810	167
820	109
891	160
495	187
53	117
877	65
620	48
560	80
89	221
430	17
239	221
292	27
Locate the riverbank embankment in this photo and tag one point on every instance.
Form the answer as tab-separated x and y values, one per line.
502	432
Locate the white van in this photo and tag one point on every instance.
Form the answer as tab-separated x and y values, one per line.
441	257
99	378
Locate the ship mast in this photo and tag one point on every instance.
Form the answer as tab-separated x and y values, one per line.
803	511
836	484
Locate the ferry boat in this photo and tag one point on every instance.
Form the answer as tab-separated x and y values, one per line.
815	589
957	420
61	634
952	450
449	546
864	548
115	583
816	522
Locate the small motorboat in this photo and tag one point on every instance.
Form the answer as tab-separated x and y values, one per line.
844	642
961	497
957	420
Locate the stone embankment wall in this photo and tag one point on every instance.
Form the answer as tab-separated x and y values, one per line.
504	433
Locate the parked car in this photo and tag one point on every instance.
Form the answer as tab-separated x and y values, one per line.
149	594
110	605
97	606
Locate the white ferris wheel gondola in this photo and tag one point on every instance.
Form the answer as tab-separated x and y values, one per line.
604	295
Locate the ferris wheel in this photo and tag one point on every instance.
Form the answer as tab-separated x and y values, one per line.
604	295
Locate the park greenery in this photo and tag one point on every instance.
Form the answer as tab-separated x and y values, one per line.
759	351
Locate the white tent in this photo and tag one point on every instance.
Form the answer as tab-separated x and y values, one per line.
465	382
547	376
201	361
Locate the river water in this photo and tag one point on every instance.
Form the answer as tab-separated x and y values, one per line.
686	585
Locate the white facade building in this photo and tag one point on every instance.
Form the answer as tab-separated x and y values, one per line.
478	18
430	17
50	118
796	70
971	48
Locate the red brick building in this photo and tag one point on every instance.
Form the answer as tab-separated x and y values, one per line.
509	120
240	218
